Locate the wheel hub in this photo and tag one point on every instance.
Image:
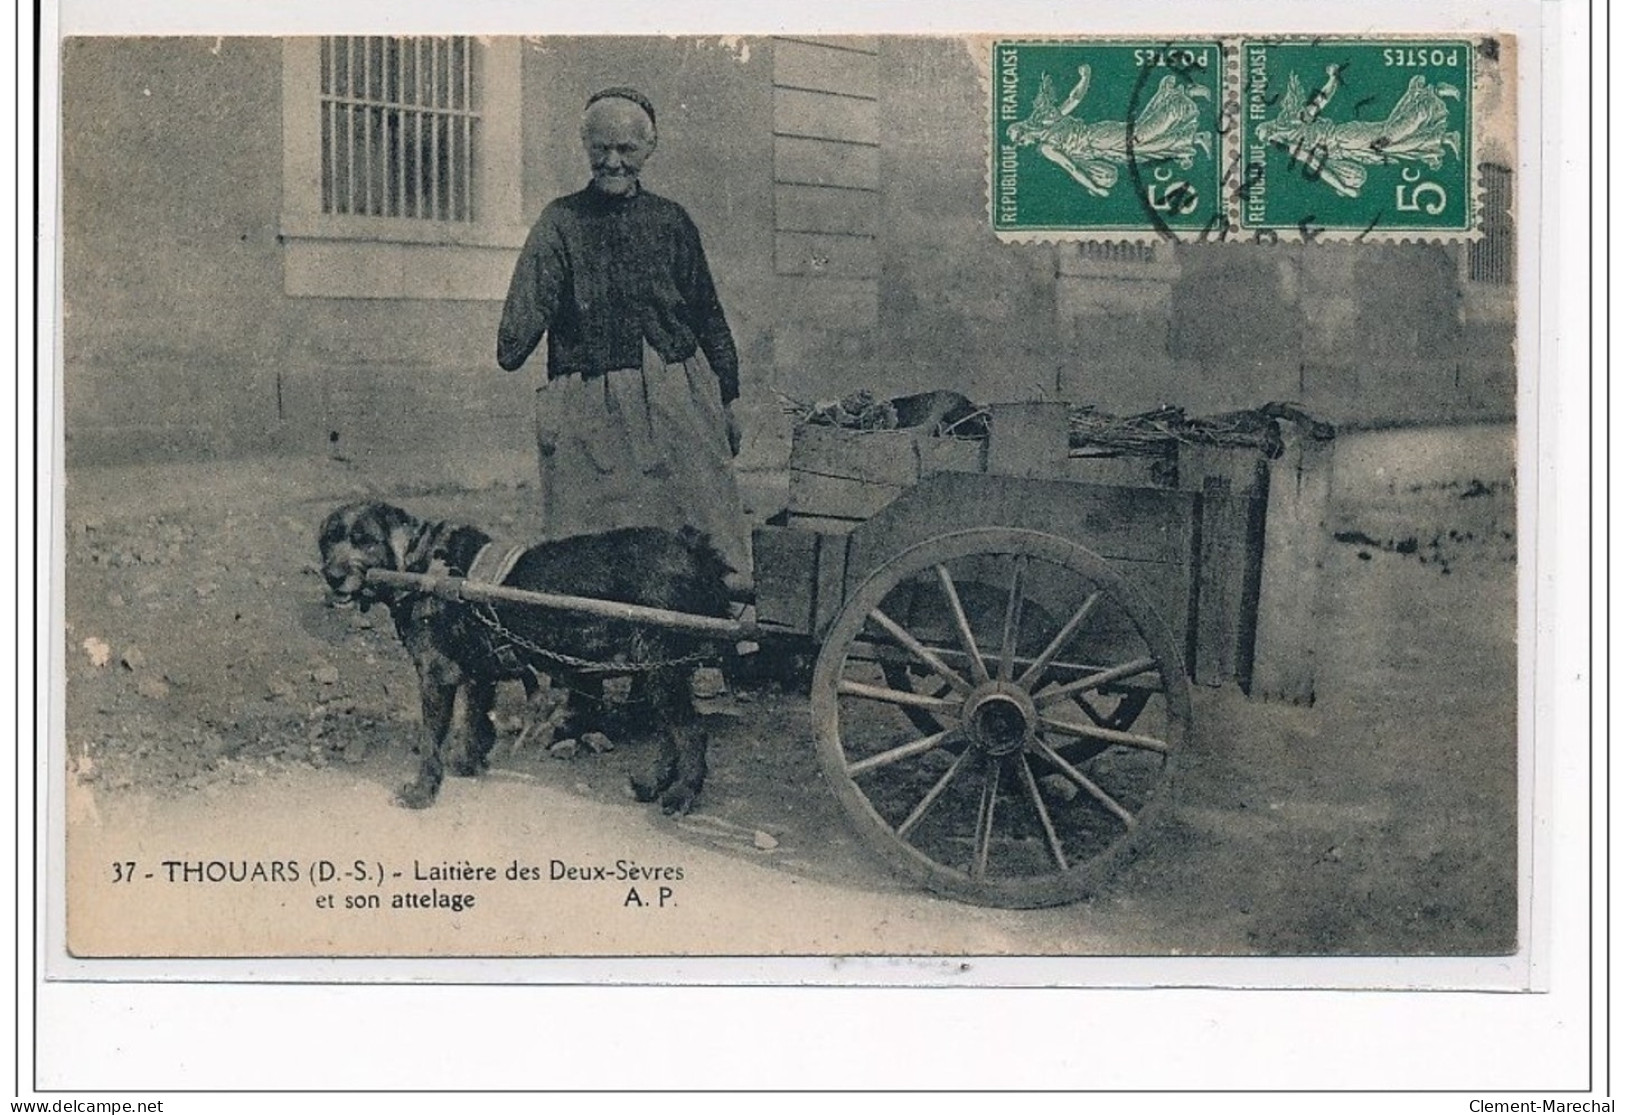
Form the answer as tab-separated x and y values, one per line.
999	718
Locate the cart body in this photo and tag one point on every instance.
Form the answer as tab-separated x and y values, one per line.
1190	535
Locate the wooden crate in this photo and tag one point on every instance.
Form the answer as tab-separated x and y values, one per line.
1260	549
800	577
1290	571
1028	439
840	474
1232	484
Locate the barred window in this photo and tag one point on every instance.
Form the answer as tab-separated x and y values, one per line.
400	127
402	160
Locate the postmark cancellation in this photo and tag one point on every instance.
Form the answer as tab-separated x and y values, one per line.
1240	138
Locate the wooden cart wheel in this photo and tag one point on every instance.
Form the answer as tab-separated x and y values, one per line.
925	608
1105	709
980	779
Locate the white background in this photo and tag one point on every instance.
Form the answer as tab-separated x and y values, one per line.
132	1036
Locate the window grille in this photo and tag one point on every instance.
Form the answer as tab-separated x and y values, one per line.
400	126
1490	258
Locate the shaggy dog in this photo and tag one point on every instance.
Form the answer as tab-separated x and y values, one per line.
458	644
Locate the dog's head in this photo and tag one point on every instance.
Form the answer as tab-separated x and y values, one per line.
362	536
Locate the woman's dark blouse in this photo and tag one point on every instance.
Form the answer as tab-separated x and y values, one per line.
601	275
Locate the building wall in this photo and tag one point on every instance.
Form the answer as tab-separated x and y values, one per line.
961	309
840	189
1362	333
827	214
179	340
173	325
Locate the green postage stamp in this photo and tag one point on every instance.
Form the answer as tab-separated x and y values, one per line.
1357	135
1245	138
1107	136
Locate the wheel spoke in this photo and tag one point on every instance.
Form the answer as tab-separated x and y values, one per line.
962	625
924	653
984	819
1109	735
905	697
897	754
1012	620
1085	784
874	648
1094	681
1043	814
935	792
1030	676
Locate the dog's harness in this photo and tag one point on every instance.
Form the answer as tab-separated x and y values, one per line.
494	562
491	566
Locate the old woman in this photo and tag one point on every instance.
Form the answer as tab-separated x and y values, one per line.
634	423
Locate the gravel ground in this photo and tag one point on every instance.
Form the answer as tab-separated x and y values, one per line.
209	685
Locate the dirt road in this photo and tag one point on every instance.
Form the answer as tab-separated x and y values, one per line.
221	720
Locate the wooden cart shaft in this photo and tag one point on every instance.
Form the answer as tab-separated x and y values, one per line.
460	588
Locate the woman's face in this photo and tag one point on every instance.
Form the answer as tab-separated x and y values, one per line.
617	136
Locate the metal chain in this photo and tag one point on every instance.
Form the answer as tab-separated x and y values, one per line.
487	615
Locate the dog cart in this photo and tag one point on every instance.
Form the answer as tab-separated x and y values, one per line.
1006	635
